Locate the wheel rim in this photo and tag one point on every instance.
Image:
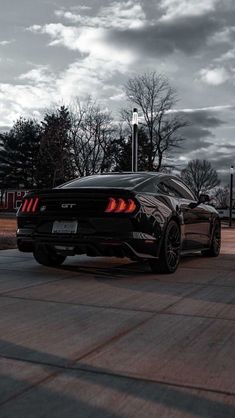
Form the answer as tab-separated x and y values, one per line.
173	246
217	239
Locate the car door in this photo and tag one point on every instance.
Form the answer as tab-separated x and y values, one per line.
195	220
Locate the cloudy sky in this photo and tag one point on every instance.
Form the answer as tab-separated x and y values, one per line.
52	51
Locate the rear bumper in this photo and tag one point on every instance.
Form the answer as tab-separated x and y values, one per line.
134	245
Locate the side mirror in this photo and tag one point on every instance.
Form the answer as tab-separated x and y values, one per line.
203	198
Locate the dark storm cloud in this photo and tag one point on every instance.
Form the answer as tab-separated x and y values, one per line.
204	118
222	162
201	141
199	129
164	37
196	132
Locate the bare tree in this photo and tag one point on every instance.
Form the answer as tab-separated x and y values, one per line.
155	98
200	176
91	136
221	197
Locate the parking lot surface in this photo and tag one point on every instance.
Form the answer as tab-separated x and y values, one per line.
106	338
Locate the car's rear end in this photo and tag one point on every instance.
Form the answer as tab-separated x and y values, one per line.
93	221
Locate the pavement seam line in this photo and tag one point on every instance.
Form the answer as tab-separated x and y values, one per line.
73	361
31	387
164	311
77	304
101	373
103	307
28	287
109	341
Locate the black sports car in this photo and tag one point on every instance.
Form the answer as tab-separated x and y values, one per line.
142	215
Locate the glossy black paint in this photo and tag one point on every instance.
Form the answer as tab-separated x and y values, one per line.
138	235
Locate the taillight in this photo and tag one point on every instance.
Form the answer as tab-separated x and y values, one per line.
131	206
30	205
35	204
24	205
111	205
120	205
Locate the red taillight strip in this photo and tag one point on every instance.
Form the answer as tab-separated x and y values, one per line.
23	209
111	205
35	205
120	205
131	206
30	205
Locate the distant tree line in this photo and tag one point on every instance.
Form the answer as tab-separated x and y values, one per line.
84	139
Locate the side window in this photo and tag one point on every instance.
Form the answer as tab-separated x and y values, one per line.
164	188
150	187
167	187
182	189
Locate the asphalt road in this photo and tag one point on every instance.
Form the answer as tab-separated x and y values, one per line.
106	338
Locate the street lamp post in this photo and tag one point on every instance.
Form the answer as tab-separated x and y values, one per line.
135	140
231	196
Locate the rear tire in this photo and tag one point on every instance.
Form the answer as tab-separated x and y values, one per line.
46	256
214	249
169	257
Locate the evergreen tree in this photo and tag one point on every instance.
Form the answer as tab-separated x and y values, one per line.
19	155
123	152
56	162
9	161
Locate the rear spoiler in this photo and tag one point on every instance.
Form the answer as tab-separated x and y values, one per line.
82	191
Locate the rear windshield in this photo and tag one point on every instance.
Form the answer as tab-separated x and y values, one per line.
113	180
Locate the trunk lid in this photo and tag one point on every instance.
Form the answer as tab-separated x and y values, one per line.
83	202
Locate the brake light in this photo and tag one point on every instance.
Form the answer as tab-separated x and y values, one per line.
30	205
35	205
120	205
25	204
111	205
131	206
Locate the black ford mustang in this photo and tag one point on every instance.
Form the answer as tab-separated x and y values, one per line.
141	215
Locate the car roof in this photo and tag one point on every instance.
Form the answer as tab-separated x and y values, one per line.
145	175
134	173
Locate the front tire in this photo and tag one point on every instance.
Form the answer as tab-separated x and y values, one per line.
169	257
46	256
214	249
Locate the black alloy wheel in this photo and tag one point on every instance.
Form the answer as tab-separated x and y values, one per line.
214	249
170	251
47	256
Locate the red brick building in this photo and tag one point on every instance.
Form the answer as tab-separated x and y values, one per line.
11	199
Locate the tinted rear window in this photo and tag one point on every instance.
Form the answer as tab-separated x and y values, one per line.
109	181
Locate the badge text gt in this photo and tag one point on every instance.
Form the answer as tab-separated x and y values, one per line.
68	205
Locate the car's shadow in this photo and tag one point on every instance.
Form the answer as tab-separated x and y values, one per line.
115	267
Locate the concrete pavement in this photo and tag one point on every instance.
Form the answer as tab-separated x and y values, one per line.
105	338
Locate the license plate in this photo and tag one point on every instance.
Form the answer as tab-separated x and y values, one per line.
64	227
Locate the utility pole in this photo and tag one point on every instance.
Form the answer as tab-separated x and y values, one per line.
135	140
231	197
